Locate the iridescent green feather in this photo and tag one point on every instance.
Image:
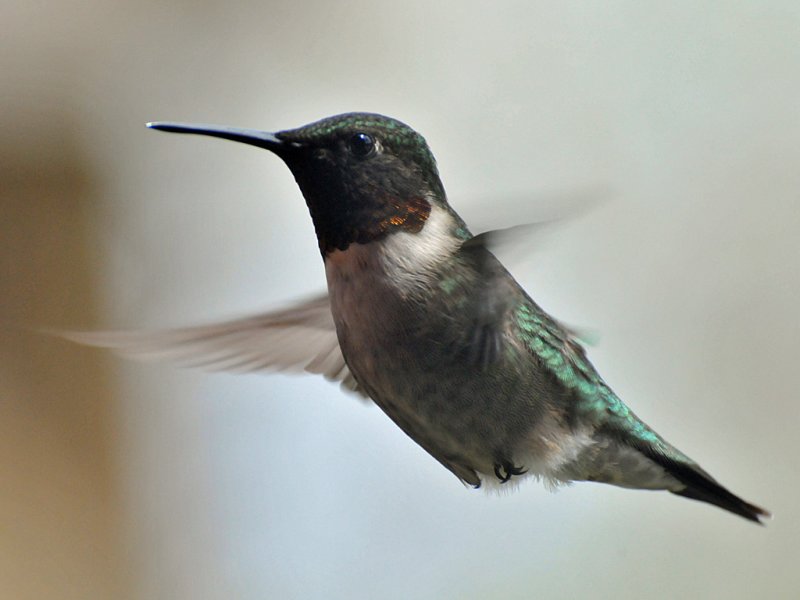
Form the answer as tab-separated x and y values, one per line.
566	360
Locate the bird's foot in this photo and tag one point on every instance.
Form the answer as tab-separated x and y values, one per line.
505	471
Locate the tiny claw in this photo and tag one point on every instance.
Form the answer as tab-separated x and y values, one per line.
499	474
516	471
510	471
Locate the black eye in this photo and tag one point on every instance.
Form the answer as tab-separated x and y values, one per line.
361	145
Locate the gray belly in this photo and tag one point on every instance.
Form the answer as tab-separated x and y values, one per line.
470	418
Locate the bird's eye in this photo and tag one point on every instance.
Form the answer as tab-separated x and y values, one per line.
361	145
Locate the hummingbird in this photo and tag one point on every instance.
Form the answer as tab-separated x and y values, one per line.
421	318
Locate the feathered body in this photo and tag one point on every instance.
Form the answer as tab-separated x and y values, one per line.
475	372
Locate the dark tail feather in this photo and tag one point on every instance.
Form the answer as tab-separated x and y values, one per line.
713	493
701	486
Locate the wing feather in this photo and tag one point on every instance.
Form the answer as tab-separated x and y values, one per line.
302	337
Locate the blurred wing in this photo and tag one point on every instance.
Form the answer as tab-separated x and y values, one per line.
485	313
517	235
299	338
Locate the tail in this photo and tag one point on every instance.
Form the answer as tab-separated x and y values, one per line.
699	485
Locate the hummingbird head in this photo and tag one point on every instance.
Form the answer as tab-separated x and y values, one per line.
364	176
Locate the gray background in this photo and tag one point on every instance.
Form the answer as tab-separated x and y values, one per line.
143	481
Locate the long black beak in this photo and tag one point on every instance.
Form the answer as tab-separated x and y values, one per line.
262	139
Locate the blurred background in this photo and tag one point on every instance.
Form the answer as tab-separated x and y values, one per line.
129	480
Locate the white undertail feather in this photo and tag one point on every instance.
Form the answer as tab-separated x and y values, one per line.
558	457
546	455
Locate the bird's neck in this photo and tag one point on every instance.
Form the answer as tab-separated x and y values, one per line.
409	261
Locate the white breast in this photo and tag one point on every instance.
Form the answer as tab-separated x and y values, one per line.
407	260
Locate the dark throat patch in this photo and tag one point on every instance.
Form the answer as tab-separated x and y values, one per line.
369	223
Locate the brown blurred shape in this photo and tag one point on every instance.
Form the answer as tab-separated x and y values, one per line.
60	516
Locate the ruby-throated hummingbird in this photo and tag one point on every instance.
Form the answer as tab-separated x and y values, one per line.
423	319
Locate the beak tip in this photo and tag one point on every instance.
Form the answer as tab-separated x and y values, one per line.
161	126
